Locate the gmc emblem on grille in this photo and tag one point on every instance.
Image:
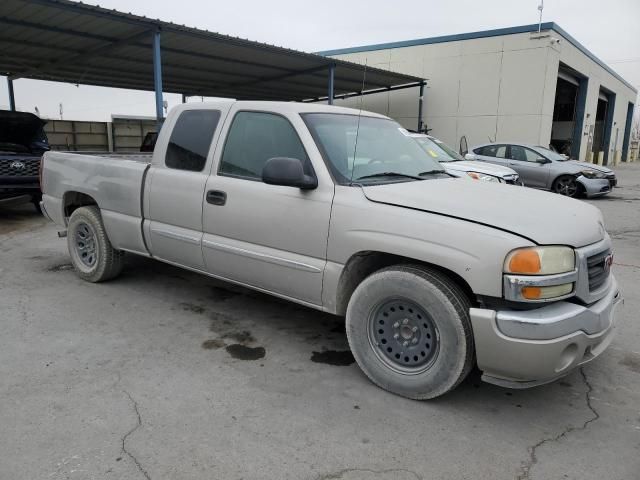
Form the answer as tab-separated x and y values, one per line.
17	165
608	262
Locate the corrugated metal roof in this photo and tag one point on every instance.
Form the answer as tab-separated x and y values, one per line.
67	41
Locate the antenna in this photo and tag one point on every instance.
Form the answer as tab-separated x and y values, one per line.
355	146
540	8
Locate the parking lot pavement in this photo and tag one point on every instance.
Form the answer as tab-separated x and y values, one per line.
163	373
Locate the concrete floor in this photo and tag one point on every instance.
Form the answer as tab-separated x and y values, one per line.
138	379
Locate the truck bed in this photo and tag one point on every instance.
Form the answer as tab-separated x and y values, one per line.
113	181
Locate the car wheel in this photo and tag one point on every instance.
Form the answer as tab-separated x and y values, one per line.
410	332
92	255
566	185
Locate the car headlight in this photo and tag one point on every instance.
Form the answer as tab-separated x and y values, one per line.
483	176
592	174
539	273
540	260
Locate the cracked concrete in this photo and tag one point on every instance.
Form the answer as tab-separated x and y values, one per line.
111	382
525	473
129	433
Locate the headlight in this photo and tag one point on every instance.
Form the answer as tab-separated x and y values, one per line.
540	260
483	176
592	174
539	273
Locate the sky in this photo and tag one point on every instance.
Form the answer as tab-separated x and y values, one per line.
609	29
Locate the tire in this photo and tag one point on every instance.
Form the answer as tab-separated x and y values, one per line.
410	332
566	185
92	255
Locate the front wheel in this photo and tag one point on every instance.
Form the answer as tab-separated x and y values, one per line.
566	185
94	258
410	332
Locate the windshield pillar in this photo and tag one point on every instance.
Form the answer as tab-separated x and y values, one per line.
12	99
420	106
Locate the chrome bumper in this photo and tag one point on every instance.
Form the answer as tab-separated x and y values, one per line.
521	349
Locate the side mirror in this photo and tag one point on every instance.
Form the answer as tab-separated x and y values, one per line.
542	160
469	156
288	172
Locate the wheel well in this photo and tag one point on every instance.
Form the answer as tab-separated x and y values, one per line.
75	200
363	264
581	188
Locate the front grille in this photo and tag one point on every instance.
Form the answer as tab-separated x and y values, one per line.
19	167
598	268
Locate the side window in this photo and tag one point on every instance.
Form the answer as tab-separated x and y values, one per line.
492	151
254	138
190	139
523	154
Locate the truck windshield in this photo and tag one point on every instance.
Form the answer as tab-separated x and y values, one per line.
383	153
438	150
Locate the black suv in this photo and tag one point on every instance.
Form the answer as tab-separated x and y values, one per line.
22	144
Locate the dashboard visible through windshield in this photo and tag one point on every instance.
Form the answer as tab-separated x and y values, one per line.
361	149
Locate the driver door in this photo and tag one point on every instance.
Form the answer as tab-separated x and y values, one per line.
525	161
271	237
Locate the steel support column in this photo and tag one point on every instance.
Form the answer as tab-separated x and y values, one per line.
332	71
420	106
157	77
12	99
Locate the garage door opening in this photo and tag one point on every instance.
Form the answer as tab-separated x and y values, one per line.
568	113
598	128
601	135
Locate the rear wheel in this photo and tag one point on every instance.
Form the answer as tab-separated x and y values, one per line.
410	332
92	255
566	185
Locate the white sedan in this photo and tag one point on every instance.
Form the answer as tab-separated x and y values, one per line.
456	165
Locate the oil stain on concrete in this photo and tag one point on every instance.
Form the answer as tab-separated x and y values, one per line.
60	267
242	352
333	357
631	361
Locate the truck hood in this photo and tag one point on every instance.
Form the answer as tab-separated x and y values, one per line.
545	218
480	167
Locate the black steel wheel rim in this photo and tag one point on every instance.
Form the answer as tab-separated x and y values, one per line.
404	336
85	243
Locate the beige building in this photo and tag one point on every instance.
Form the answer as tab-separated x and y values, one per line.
511	84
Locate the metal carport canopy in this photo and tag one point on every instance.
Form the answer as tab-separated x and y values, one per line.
67	41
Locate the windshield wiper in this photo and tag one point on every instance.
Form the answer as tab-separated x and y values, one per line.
390	174
431	172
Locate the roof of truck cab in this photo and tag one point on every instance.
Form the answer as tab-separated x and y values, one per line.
289	107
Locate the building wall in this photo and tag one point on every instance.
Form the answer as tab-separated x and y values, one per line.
498	88
598	76
122	134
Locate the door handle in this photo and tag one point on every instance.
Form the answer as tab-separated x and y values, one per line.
216	197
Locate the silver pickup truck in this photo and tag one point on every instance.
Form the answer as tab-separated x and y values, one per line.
342	211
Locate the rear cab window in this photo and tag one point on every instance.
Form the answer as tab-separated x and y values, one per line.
191	139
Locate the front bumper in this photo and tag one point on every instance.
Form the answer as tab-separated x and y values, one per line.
595	187
520	349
